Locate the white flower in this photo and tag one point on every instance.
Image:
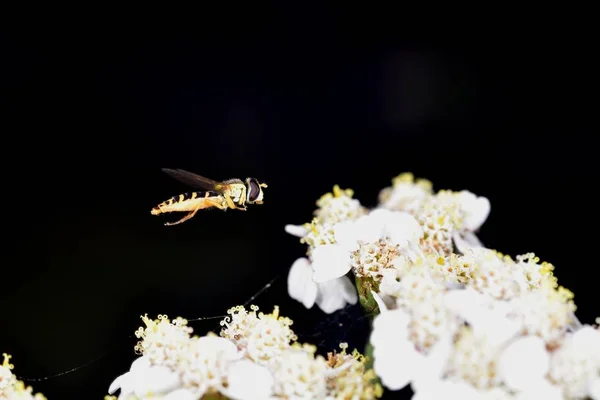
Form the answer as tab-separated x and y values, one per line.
576	364
486	316
300	284
330	261
144	379
333	295
432	367
524	363
248	381
299	374
330	296
163	341
490	273
333	260
396	360
406	193
260	337
204	368
394	355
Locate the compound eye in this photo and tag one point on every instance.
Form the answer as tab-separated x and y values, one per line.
254	190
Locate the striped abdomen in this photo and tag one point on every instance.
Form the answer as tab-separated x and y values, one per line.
188	202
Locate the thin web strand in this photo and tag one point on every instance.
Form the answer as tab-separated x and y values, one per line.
112	349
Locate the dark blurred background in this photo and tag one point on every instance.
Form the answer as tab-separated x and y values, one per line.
90	114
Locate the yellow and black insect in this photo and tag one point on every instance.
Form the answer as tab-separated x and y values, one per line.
233	193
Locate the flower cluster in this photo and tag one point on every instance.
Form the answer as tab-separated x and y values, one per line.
256	356
452	318
11	388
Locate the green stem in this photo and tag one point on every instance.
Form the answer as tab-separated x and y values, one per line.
364	287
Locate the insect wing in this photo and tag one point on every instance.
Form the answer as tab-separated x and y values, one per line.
194	180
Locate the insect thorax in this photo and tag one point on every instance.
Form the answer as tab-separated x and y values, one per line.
236	191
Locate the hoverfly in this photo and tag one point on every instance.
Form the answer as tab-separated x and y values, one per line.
232	193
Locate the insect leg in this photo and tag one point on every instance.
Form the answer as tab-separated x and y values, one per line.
182	220
230	202
217	204
244	198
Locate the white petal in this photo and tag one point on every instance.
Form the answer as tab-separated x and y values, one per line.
301	287
335	294
140	364
220	346
487	317
380	303
472	239
447	390
126	381
431	367
296	230
395	365
476	209
389	285
594	389
181	394
408	194
121	382
365	229
464	302
541	390
586	340
524	362
248	380
389	328
330	261
464	241
379	217
402	228
156	380
347	289
344	233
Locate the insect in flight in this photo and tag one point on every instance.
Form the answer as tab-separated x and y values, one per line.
232	193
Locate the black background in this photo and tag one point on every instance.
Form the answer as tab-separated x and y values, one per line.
91	113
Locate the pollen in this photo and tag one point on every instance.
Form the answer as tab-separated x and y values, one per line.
6	362
423	298
349	377
261	337
546	312
319	233
576	364
438	227
334	207
11	387
487	272
163	341
300	374
338	206
474	360
371	259
406	193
